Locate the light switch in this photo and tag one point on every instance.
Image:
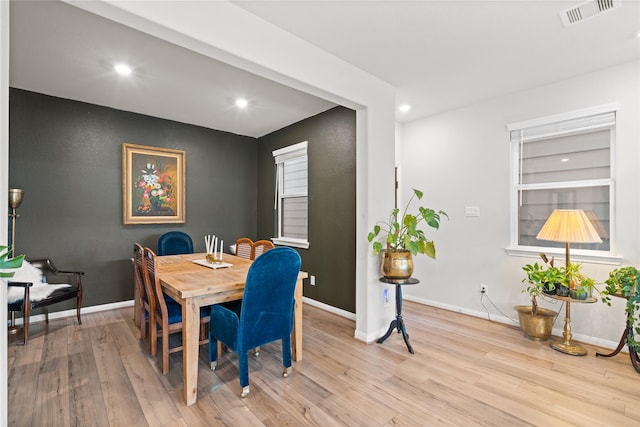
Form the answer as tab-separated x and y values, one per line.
472	211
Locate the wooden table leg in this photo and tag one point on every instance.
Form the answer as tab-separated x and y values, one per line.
190	342
296	334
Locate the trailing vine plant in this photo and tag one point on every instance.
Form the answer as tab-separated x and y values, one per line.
625	282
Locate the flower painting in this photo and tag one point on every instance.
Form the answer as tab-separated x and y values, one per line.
154	188
153	185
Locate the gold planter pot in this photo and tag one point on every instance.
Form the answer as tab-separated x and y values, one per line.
396	265
536	327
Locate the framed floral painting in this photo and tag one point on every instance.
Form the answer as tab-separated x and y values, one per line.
153	185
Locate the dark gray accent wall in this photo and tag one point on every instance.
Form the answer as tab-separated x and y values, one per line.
66	155
332	201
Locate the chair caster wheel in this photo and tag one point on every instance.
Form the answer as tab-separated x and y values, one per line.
245	392
286	372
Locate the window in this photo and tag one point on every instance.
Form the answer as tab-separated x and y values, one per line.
291	202
562	162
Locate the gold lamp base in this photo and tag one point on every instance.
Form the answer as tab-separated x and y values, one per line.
12	329
569	348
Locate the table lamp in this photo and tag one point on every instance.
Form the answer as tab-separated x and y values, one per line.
568	226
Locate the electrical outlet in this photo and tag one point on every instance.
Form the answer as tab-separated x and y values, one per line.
484	288
312	280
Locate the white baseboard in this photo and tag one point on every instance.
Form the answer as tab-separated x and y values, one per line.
474	313
371	337
329	308
72	312
507	321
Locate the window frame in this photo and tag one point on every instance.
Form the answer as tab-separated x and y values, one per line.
291	152
588	255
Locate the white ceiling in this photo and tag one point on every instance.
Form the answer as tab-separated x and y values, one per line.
60	50
440	55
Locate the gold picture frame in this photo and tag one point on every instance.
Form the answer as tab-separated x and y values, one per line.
153	185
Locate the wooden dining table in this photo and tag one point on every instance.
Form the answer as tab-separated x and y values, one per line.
193	286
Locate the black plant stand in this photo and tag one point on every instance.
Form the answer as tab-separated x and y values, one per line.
398	322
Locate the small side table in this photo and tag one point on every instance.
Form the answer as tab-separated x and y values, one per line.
635	358
398	322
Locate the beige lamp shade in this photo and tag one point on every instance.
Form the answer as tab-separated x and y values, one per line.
597	225
569	226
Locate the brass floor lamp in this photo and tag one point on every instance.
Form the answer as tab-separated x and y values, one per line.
568	226
15	198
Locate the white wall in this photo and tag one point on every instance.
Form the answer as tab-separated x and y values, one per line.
4	194
461	158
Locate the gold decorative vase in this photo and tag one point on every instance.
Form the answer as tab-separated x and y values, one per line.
396	265
536	327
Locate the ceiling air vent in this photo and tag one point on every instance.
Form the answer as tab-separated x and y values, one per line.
587	10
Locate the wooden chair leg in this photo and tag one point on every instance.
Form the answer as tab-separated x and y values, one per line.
143	323
165	350
78	305
25	330
153	337
26	314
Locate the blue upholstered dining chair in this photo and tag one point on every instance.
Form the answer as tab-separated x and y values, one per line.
175	243
264	315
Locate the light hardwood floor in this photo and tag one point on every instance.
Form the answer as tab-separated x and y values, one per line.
466	371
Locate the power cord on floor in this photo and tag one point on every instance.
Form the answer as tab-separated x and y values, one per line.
516	322
484	295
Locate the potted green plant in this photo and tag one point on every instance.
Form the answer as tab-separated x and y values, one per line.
402	236
537	322
580	286
7	263
624	282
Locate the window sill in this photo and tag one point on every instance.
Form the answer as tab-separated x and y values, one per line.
559	253
291	242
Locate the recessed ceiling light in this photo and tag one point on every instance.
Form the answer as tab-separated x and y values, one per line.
241	103
404	108
122	69
564	160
